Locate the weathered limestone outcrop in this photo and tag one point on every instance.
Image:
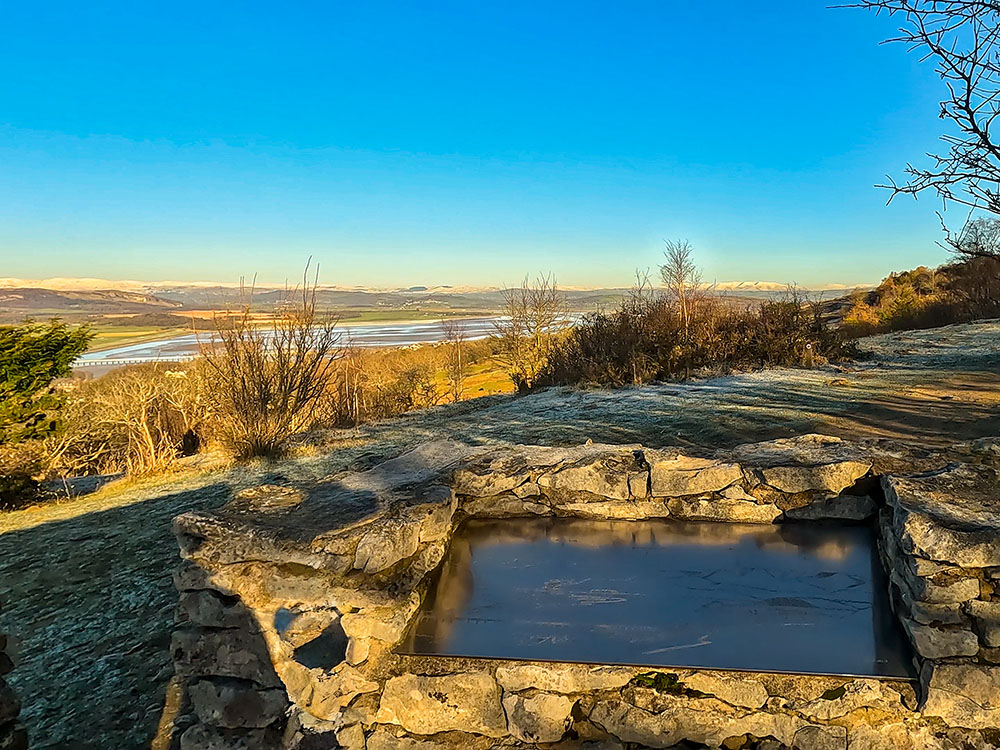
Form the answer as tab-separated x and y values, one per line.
13	735
292	601
940	540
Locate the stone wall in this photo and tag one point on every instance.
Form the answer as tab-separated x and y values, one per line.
292	600
943	552
13	735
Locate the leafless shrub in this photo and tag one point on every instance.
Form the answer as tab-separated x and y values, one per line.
533	315
270	379
456	363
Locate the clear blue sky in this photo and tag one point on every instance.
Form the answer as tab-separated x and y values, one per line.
456	142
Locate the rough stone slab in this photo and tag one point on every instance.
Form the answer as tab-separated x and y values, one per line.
234	704
628	510
384	623
937	643
964	695
324	694
223	653
467	702
986	616
673	475
212	610
834	508
735	690
203	737
950	516
323	530
854	695
668	720
566	679
606	474
700	509
809	463
539	718
384	738
385	545
505	506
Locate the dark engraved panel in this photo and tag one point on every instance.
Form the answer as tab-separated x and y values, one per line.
802	598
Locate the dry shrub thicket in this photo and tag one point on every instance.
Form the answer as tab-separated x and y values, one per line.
670	332
927	298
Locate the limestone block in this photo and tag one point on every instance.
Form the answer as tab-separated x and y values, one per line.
504	506
203	737
701	509
605	475
391	541
831	477
543	717
566	679
672	475
468	702
854	695
384	738
834	508
324	693
530	489
235	704
737	691
223	653
986	619
211	609
384	623
935	643
357	651
938	590
664	721
351	738
963	695
948	516
808	463
627	510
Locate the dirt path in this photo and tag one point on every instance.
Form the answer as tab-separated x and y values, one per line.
86	585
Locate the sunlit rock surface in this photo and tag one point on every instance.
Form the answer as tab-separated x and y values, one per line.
294	602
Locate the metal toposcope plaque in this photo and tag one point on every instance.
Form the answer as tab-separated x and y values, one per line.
803	598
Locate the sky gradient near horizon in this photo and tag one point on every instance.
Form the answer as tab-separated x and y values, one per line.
403	143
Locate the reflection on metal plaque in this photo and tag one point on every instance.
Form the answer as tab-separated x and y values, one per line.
784	598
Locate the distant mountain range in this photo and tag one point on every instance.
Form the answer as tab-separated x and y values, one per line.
67	284
75	299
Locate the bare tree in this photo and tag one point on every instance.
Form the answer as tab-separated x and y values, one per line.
963	38
456	364
681	278
271	378
978	239
533	313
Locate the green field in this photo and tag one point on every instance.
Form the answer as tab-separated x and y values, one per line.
108	336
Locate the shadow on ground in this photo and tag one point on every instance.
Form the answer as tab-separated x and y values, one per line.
90	601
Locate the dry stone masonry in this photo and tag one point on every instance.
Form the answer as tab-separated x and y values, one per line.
291	601
13	735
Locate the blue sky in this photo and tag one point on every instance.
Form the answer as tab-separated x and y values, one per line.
431	142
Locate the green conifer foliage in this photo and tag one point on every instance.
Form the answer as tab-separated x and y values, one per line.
32	356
